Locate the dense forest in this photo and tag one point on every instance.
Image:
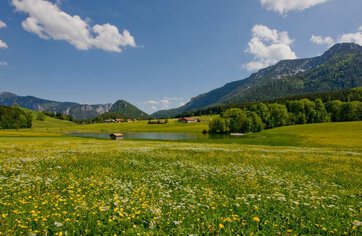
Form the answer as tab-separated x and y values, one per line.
14	118
346	95
258	116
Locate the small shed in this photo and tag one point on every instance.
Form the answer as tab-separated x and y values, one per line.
188	119
116	136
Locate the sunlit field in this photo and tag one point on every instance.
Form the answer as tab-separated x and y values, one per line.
309	184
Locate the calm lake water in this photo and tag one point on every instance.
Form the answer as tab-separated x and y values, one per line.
155	136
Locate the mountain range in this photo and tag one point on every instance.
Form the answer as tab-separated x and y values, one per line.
340	67
76	110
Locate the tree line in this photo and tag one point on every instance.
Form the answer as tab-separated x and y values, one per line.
60	116
346	95
14	118
102	118
258	116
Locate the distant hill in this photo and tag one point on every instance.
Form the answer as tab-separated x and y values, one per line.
128	110
76	110
48	122
338	68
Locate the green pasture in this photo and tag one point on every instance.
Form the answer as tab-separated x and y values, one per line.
339	134
295	180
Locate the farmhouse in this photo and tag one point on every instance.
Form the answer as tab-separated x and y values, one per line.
116	136
188	119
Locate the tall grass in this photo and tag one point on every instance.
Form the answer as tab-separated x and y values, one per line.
75	186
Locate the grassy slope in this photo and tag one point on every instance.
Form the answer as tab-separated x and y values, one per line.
49	127
104	187
50	123
88	186
341	134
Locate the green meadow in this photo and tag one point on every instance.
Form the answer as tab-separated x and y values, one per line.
294	180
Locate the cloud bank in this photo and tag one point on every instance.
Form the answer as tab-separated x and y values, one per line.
165	103
352	37
355	37
48	21
284	6
2	43
268	46
319	40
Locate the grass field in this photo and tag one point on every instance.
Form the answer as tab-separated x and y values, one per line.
297	180
142	126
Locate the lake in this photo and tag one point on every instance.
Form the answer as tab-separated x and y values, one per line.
156	136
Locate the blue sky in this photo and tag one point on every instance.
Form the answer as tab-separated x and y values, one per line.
158	54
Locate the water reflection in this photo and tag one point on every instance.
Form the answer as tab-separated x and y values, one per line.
155	136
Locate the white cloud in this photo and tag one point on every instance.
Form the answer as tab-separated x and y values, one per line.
165	103
173	98
256	65
355	37
2	24
3	44
48	21
329	41
32	25
352	37
268	46
284	6
3	63
151	102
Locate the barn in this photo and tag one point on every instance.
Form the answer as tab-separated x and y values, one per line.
188	119
116	136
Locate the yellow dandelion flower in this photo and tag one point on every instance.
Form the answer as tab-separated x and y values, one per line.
221	226
256	219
